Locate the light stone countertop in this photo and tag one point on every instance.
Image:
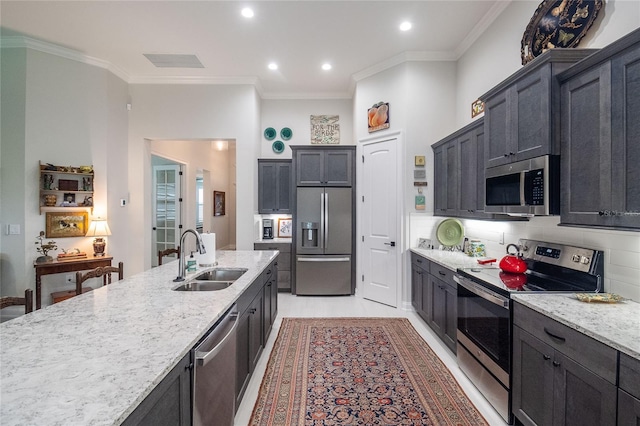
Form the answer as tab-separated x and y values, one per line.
449	259
614	324
92	359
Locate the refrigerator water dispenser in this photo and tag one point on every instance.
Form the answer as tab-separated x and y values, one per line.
309	234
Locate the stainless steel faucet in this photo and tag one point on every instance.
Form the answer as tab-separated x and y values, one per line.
199	246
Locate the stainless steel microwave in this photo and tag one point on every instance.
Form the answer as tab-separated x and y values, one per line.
524	188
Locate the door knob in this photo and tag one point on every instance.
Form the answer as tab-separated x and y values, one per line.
392	244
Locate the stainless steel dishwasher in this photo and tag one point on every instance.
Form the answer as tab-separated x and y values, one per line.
214	375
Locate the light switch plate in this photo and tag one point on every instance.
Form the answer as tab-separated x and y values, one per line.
419	174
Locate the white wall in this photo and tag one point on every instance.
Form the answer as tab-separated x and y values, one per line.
72	114
296	115
174	112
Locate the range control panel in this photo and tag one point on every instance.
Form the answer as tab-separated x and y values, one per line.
577	258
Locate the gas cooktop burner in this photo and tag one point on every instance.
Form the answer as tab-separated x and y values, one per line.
551	268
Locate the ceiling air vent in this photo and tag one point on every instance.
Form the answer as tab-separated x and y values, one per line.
174	61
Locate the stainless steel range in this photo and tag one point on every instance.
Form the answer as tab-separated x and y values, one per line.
484	309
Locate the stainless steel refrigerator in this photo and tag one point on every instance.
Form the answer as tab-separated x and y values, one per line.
324	241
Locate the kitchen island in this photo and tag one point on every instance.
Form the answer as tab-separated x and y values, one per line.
92	359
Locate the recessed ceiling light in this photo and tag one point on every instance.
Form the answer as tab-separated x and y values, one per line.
405	26
273	66
247	12
326	67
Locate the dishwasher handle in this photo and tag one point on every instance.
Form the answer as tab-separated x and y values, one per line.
202	358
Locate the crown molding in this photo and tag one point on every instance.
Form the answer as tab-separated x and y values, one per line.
402	58
12	42
307	96
481	26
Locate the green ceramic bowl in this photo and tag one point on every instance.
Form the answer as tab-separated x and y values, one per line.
450	232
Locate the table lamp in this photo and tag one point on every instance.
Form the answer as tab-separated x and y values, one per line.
98	229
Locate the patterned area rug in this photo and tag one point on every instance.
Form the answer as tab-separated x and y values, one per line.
358	371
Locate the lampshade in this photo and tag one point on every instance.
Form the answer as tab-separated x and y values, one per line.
98	228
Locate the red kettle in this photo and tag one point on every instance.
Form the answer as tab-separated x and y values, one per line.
513	262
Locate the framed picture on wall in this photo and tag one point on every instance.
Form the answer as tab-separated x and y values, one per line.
66	224
218	203
285	228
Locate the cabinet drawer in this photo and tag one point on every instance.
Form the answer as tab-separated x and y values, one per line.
282	247
630	375
442	273
593	355
420	261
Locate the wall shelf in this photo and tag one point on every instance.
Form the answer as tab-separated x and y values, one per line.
76	183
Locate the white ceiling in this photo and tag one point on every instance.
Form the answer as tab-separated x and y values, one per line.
357	37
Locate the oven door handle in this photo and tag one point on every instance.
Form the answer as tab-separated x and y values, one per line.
476	289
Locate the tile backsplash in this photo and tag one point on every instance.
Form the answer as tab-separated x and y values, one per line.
621	248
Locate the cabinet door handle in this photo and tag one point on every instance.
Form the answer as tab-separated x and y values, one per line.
419	260
442	273
555	336
252	310
556	364
546	357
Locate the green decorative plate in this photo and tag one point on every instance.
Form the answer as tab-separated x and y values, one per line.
270	133
286	133
278	147
450	232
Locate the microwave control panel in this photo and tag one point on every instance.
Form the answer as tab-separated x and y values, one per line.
534	184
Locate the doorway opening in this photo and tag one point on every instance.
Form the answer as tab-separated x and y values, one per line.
208	166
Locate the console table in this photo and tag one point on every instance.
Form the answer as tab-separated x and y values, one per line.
62	266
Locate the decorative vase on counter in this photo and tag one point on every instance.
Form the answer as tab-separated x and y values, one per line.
44	259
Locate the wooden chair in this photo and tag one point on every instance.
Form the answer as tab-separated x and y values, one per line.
167	252
104	272
27	301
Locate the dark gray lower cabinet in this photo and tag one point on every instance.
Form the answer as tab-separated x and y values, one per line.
170	402
270	298
258	310
560	376
249	343
433	295
629	391
628	409
283	259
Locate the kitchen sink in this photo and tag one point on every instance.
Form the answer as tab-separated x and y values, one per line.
221	274
214	280
203	286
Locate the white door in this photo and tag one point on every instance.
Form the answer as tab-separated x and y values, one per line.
166	209
379	224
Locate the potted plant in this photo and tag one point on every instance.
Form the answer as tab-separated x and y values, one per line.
44	248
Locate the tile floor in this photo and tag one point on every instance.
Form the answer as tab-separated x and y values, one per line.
354	306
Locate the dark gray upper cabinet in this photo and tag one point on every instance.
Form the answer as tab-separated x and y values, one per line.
600	138
459	174
274	186
324	166
521	116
